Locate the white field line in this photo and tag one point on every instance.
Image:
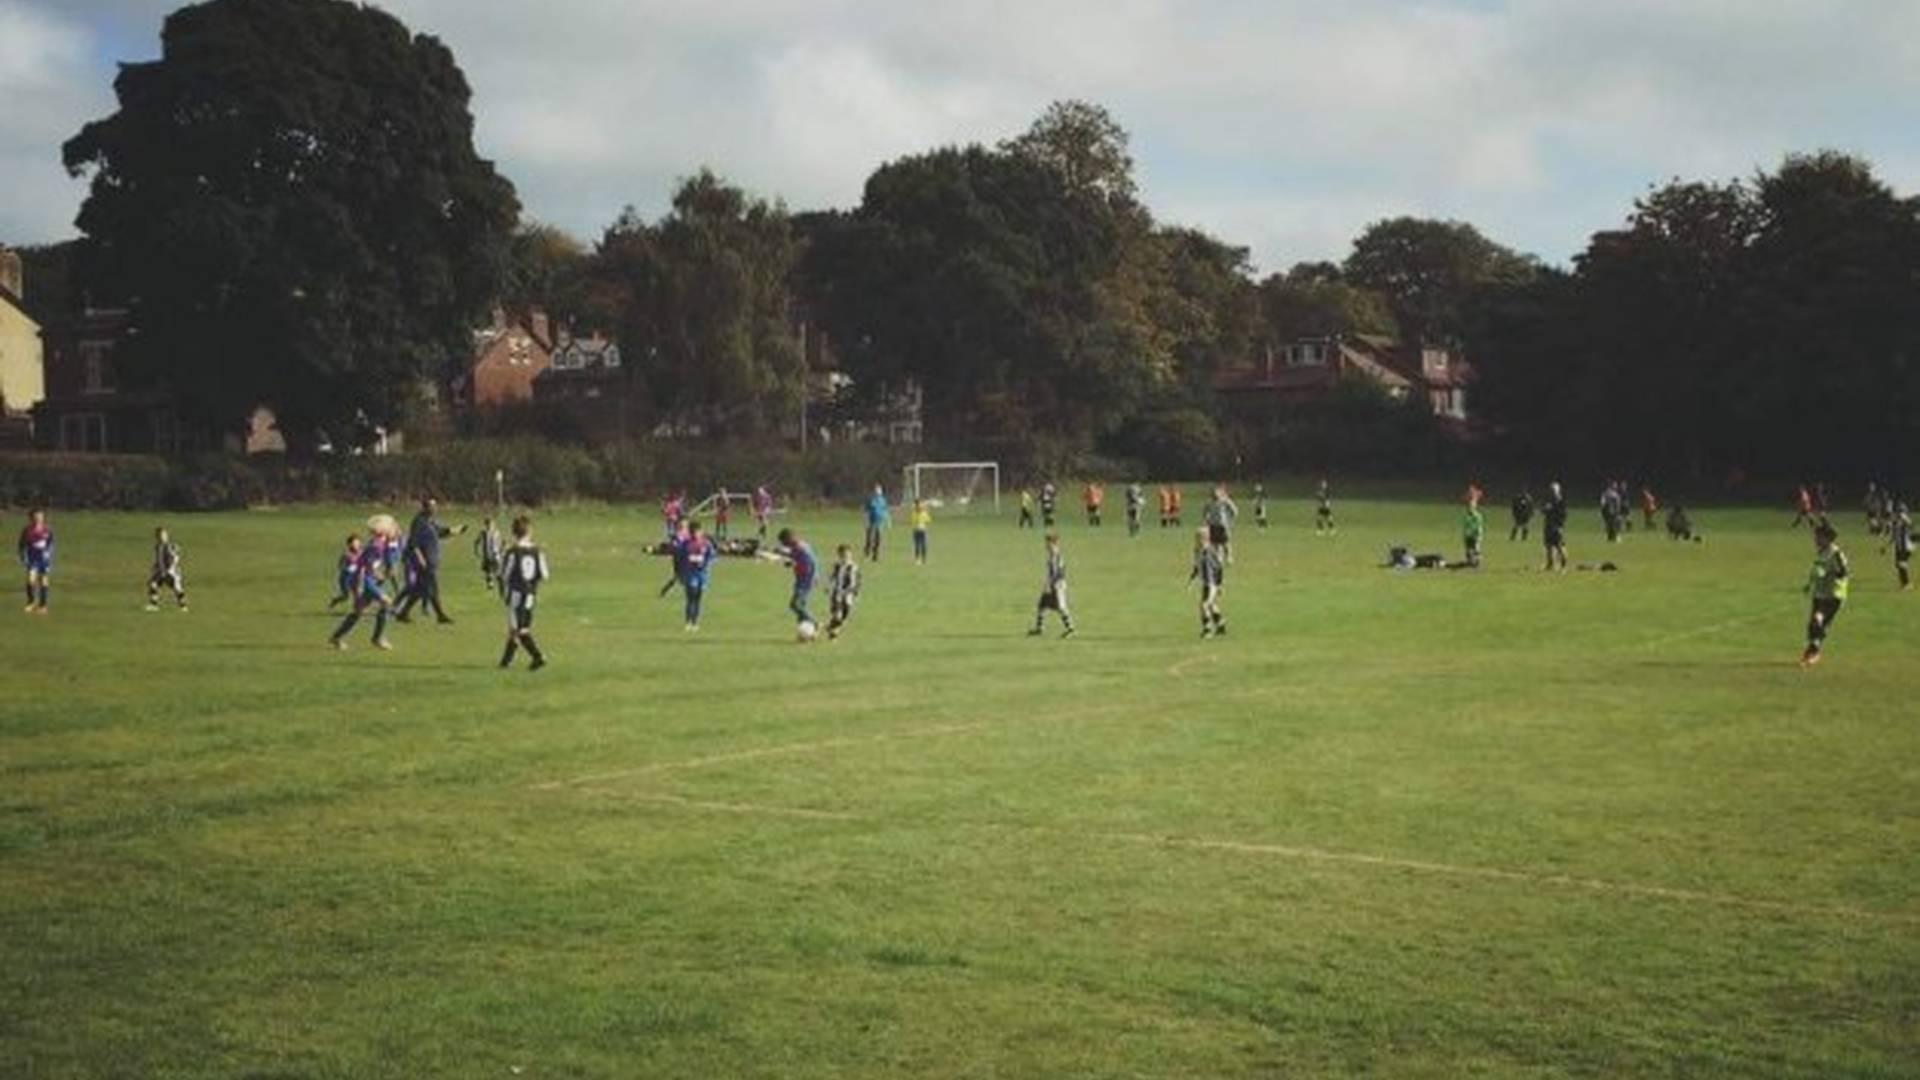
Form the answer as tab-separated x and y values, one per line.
1543	882
1715	628
786	749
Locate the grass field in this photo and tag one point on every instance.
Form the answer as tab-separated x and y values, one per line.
1437	824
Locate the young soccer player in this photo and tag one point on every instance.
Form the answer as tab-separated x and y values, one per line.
1611	511
1900	531
1026	508
1803	506
921	518
694	557
1166	506
879	516
344	570
762	507
36	554
1649	506
1049	502
1094	497
722	515
1473	525
1553	522
526	570
1260	505
370	572
166	571
1522	516
1220	513
1323	516
1827	584
798	554
1173	504
1211	572
1054	596
1136	502
843	588
1679	525
488	549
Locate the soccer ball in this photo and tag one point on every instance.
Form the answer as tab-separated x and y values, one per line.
806	631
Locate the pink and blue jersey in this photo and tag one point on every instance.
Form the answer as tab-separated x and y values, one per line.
36	548
804	565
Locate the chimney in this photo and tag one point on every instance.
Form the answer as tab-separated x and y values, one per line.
542	329
12	273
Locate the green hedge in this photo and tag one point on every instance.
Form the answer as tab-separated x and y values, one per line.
536	472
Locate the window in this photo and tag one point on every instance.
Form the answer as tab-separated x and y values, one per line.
84	433
96	369
1311	354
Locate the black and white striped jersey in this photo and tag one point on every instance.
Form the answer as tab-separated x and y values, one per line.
526	569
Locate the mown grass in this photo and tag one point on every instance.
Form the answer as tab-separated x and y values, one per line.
1451	824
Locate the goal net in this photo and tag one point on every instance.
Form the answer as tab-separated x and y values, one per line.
956	485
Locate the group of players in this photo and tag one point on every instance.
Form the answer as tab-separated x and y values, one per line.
369	569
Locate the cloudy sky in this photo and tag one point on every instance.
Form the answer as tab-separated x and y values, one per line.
1282	125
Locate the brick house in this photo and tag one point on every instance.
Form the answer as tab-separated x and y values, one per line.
509	354
86	409
1309	368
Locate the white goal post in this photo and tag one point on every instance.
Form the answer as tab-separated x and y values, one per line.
951	483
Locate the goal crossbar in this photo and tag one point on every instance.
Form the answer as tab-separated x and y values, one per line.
914	477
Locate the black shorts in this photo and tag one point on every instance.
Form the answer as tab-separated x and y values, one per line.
1050	600
1217	535
1553	538
1902	558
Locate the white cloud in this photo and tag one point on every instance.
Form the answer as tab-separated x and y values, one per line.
41	104
1281	125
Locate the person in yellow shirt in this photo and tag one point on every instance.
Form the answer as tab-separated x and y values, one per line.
921	518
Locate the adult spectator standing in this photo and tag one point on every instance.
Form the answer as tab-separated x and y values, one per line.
424	534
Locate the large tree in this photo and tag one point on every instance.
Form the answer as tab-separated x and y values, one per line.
701	305
290	201
1429	270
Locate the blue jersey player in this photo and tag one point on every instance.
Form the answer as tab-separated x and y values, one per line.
36	554
368	586
344	569
693	563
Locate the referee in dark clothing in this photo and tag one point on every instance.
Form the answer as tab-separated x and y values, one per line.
423	555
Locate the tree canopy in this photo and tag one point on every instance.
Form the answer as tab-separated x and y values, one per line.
290	202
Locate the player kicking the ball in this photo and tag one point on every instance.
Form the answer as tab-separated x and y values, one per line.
526	568
1054	596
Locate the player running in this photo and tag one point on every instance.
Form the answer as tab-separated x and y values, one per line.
1553	530
921	518
1827	584
1260	506
843	588
165	571
36	555
1054	596
368	585
1049	502
1211	572
344	570
1522	509
526	569
879	516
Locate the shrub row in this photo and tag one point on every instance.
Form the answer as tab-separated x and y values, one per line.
533	473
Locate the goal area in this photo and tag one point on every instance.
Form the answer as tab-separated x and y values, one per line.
955	485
